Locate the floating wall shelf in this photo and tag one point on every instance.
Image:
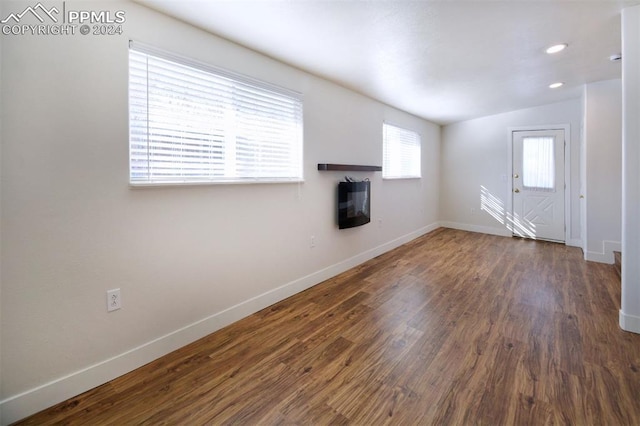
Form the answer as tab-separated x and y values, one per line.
348	167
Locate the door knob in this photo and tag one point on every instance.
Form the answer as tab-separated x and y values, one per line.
516	190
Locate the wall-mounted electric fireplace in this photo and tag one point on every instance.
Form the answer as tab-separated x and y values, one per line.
354	203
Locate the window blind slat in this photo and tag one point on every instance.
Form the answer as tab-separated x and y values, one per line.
193	124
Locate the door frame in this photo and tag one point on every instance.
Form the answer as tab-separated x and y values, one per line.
567	171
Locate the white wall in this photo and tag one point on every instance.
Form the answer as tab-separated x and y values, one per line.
187	259
630	304
474	156
603	169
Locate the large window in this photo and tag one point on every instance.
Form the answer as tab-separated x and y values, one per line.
401	153
191	123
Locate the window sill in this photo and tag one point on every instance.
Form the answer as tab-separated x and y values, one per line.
402	178
209	183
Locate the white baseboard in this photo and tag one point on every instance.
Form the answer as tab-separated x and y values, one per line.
629	322
477	228
606	256
22	405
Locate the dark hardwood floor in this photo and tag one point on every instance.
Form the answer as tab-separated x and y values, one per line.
454	328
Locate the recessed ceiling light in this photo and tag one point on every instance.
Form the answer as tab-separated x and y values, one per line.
556	85
557	48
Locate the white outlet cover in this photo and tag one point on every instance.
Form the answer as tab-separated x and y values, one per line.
114	300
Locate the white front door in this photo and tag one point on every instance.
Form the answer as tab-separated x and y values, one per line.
538	184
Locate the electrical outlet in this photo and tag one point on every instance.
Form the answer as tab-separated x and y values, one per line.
312	243
114	300
379	223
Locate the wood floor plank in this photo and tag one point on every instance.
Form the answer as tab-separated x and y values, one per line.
453	328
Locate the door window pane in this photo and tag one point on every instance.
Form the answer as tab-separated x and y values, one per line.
538	163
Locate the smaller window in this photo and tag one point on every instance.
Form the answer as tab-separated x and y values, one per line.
401	153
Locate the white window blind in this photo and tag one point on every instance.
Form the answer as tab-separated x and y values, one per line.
401	153
190	123
538	163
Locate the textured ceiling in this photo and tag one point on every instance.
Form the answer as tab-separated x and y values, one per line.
445	61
